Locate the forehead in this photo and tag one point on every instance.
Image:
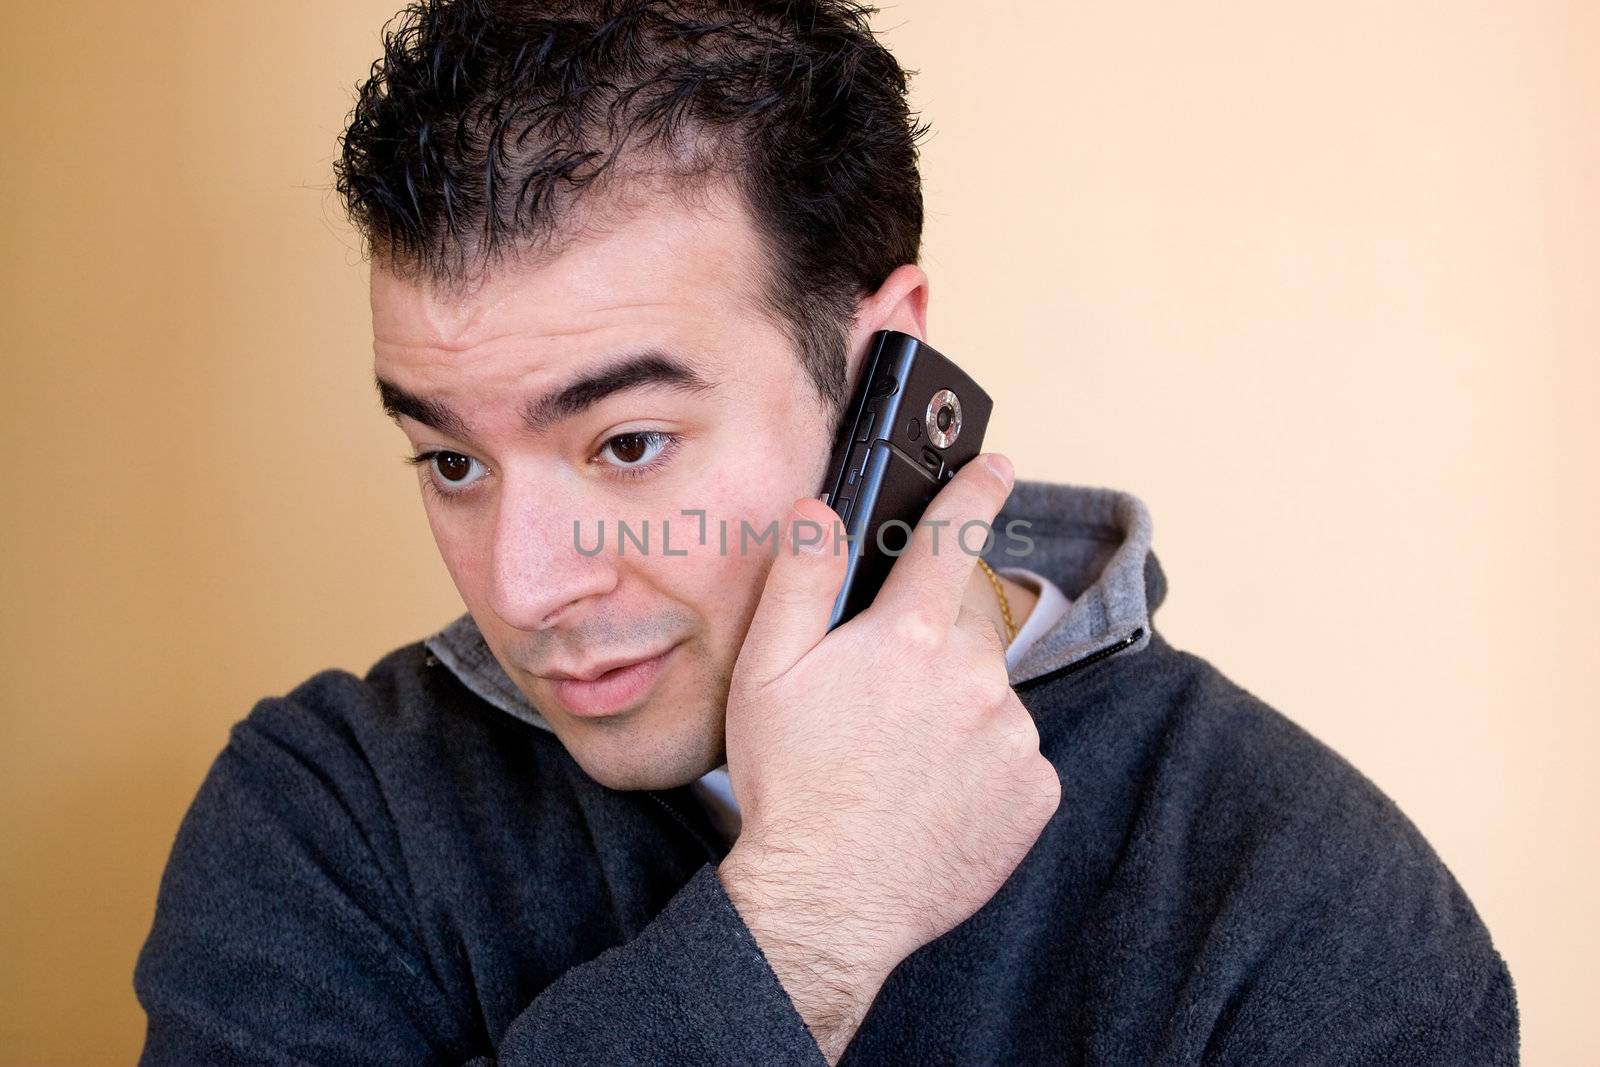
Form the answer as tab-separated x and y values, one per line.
655	269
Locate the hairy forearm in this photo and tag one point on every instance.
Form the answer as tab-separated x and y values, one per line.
823	954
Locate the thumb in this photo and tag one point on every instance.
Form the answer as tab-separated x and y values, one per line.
797	599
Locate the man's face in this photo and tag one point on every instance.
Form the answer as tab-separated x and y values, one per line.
716	415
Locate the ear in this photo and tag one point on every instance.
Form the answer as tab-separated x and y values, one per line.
901	303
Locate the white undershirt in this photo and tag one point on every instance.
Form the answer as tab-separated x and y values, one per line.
716	792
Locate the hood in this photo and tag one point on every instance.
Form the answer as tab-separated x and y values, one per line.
1094	543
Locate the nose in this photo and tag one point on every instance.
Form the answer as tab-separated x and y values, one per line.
536	571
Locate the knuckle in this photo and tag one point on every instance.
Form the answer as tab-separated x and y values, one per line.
1050	802
1049	783
918	629
1014	719
994	684
1023	735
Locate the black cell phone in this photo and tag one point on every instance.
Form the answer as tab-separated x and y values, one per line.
914	420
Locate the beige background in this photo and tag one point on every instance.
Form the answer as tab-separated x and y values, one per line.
1307	278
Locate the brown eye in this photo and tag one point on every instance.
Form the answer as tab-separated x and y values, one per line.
453	466
630	448
448	473
637	451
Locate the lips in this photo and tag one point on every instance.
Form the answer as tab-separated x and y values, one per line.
599	667
608	686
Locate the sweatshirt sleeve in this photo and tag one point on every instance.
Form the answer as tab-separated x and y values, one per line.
1376	956
1321	1007
282	937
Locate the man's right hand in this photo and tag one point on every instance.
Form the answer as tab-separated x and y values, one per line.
888	778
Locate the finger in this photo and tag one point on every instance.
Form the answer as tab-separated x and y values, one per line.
797	599
983	629
932	581
978	632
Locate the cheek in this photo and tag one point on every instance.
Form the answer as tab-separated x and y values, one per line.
461	550
723	578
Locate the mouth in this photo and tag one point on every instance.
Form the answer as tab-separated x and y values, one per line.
609	686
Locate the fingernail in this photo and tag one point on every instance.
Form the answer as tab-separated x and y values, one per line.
1001	467
812	528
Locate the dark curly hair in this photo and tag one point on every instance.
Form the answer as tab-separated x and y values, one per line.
484	119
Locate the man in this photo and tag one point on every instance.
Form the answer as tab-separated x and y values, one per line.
638	805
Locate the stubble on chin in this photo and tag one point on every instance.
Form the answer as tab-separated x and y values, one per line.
674	739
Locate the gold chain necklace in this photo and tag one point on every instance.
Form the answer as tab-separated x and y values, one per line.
1005	605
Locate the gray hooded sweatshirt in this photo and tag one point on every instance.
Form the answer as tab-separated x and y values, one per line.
408	867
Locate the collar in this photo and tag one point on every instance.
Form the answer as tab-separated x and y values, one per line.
1094	543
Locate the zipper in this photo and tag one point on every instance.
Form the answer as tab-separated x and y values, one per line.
713	853
1088	661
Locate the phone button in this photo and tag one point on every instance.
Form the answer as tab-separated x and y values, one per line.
858	459
843	508
885	385
864	429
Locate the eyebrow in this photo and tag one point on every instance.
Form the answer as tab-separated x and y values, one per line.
651	366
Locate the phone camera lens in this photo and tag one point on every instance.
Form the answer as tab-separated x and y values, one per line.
943	418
